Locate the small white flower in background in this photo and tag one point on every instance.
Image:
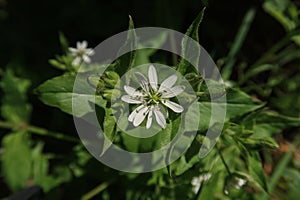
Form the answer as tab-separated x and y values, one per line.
81	53
197	181
240	183
151	97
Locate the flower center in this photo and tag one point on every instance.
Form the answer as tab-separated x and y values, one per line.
152	98
81	53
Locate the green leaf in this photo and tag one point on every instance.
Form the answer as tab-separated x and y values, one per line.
56	63
40	170
265	123
238	42
167	134
62	175
14	103
256	171
238	104
58	92
63	41
126	61
40	164
284	11
143	53
255	71
190	47
185	165
109	129
165	138
257	143
16	160
296	39
294	176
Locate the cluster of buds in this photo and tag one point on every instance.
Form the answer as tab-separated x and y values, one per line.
106	85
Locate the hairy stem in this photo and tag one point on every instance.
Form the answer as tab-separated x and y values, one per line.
38	131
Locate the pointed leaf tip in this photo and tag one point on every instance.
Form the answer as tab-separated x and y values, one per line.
131	24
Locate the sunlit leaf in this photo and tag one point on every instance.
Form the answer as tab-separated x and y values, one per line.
126	61
58	92
16	160
14	102
256	171
266	123
190	47
109	129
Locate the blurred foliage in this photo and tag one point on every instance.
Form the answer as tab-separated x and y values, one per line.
259	143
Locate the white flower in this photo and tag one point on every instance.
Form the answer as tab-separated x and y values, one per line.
197	181
81	53
151	97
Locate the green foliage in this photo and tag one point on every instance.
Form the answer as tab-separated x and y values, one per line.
284	11
14	106
23	166
238	42
191	50
234	169
109	129
23	162
58	92
249	126
16	160
126	62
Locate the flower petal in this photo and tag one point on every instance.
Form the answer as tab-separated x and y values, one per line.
72	50
82	45
143	81
129	90
152	74
174	91
173	106
140	116
160	118
129	99
133	93
134	113
89	52
149	119
168	83
86	59
76	61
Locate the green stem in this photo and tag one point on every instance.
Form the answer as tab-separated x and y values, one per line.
238	42
96	191
38	131
6	125
275	48
45	132
223	161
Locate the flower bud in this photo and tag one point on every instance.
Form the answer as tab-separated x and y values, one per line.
110	79
195	80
